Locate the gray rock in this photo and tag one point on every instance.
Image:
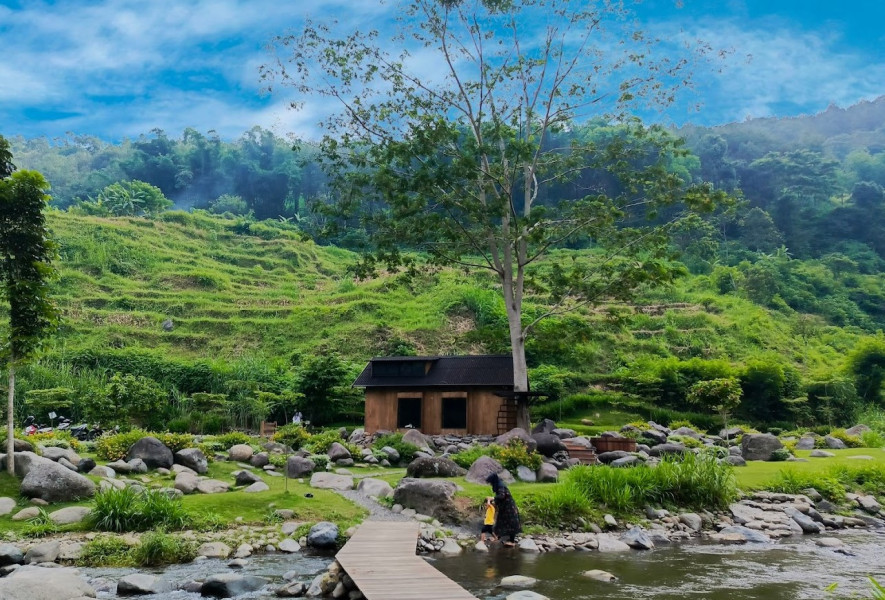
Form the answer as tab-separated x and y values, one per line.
416	438
186	482
374	487
668	448
214	550
193	458
7	505
692	521
655	437
869	504
547	473
337	452
24	461
141	584
392	454
297	467
548	444
104	471
687	431
731	432
52	482
229	585
45	552
212	486
857	430
10	555
524	473
637	538
37	583
71	514
239	453
597	575
610	457
528	545
805	443
482	468
293	589
323	535
331	481
289	546
152	451
544	426
85	465
517	582
834	443
606	543
739	533
432	497
136	465
821	454
626	461
26	513
804	521
260	460
258	486
68	464
517	434
434	467
759	446
564	434
526	595
735	461
245	477
55	454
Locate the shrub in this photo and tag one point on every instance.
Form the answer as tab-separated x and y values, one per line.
780	455
852	441
111	447
292	435
872	439
395	440
159	548
682	423
465	458
106	551
176	441
179	425
321	442
232	438
516	454
320	460
563	507
124	509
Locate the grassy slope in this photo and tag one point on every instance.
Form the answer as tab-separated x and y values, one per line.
234	296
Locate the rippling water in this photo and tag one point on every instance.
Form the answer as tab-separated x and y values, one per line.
792	569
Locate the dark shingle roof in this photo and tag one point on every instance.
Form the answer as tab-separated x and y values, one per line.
445	371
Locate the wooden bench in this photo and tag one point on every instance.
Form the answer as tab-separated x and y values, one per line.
584	454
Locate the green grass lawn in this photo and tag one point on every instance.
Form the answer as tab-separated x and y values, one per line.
758	473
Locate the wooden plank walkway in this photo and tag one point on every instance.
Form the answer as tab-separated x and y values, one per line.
381	560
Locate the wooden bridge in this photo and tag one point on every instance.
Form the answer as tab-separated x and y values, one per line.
381	560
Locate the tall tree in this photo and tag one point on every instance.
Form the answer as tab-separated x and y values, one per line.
26	254
446	146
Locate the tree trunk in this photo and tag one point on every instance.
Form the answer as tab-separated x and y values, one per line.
520	371
10	424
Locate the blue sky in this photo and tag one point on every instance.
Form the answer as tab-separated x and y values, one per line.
118	68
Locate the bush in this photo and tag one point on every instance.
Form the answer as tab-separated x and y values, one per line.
292	435
465	458
106	551
872	439
232	438
780	455
176	441
111	447
682	423
563	507
516	454
852	441
791	481
321	442
179	425
320	460
395	440
159	548
124	509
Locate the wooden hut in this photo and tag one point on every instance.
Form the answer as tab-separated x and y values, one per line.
440	394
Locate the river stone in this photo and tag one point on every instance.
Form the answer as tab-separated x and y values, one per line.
523	473
597	575
528	545
298	466
239	453
692	521
45	552
517	581
526	595
192	458
821	454
37	583
152	451
71	514
229	585
104	471
136	465
260	460
869	504
245	477
834	443
638	539
805	443
10	554
739	533
141	584
392	454
323	535
485	466
547	473
450	548
7	505
375	487
258	486
434	467
212	486
548	444
517	433
338	452
434	497
331	481
214	550
26	513
52	482
186	482
293	589
759	446
289	545
607	543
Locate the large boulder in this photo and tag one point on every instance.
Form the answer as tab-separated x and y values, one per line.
298	466
434	467
610	457
24	461
759	446
52	482
45	552
323	535
374	487
433	497
186	482
548	444
331	481
21	446
192	458
240	453
517	433
141	584
834	443
547	473
806	442
37	583
70	514
7	505
483	467
230	585
544	426
857	430
245	477
10	554
212	486
415	437
338	452
153	452
54	454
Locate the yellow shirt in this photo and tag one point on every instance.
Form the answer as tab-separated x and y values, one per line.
490	516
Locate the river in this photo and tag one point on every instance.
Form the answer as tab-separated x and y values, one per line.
792	569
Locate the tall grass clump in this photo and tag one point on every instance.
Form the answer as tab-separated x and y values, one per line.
693	480
160	548
791	481
563	507
127	510
105	551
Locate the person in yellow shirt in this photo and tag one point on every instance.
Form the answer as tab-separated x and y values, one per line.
488	524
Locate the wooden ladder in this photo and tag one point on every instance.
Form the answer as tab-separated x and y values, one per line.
507	415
